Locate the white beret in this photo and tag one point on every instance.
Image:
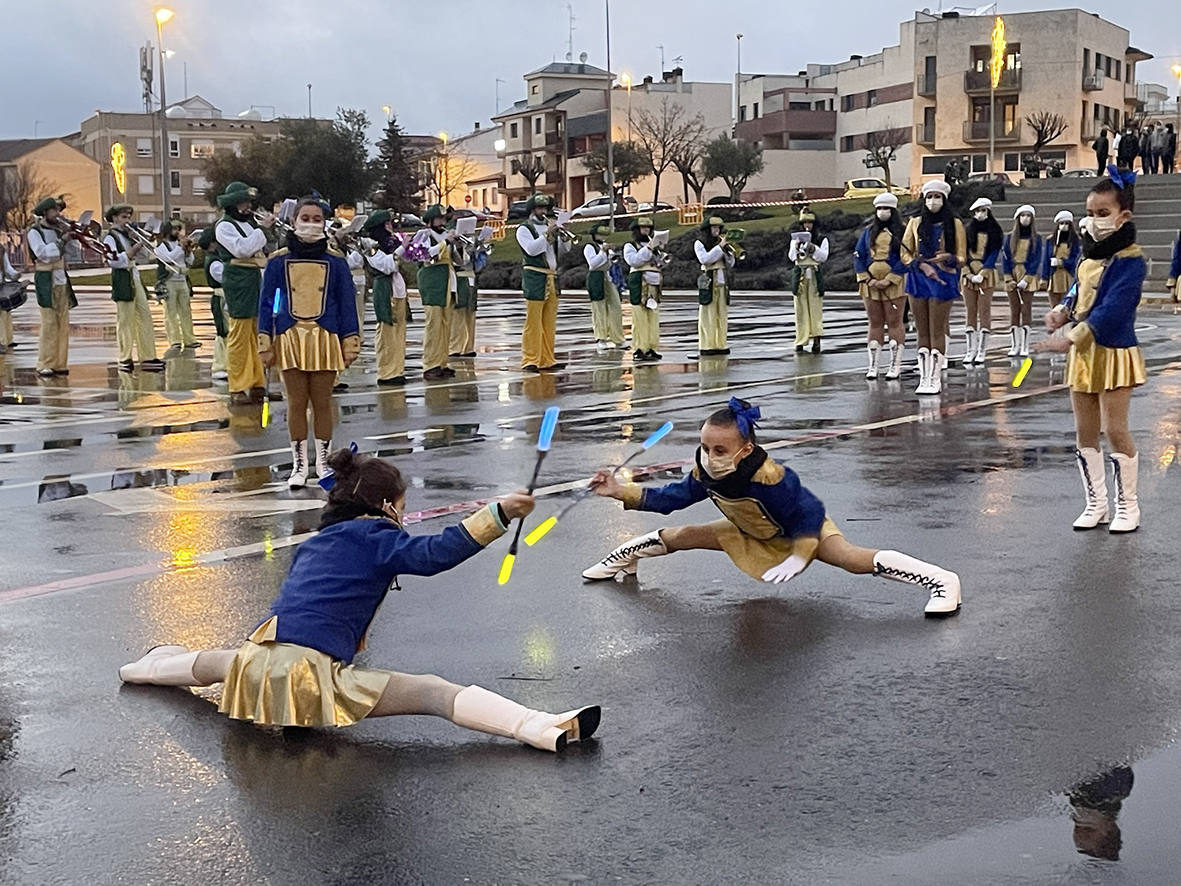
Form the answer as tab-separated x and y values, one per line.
936	186
981	203
1024	208
888	200
1064	215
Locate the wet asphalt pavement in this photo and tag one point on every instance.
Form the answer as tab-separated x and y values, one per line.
817	732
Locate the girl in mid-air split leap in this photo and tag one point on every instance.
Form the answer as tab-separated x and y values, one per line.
296	668
772	528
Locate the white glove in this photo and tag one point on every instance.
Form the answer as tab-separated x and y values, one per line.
1054	263
787	570
1023	284
367	244
977	278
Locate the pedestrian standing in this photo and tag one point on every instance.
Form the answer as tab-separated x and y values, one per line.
1146	150
1169	157
541	249
1102	150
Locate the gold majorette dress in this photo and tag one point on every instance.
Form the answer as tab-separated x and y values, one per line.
1104	354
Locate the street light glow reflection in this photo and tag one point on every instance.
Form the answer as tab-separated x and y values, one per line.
164	15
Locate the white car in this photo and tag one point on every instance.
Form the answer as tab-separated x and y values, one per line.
599	207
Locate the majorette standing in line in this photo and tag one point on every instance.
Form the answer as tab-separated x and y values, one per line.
606	308
172	249
541	248
133	317
242	251
644	278
1175	270
1021	260
1105	362
311	334
436	282
464	298
214	267
773	527
1060	256
934	248
296	668
984	240
390	305
878	263
55	294
713	288
806	282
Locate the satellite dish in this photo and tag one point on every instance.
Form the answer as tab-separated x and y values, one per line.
582	57
176	112
250	114
569	57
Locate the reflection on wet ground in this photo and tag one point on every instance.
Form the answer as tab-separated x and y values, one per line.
820	732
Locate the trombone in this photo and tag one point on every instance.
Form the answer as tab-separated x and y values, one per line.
86	231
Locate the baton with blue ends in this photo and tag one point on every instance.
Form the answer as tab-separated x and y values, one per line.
545	436
543	528
266	400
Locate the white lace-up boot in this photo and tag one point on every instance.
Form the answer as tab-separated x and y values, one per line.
943	584
622	560
477	708
1125	471
1090	466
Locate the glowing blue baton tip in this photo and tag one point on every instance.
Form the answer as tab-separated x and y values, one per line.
659	434
278	299
549	424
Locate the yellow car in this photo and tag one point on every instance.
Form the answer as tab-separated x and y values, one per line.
871	187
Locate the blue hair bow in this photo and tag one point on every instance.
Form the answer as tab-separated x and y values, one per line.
326	483
1121	179
746	417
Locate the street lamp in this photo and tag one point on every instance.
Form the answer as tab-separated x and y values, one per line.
443	169
738	78
387	110
1177	74
163	17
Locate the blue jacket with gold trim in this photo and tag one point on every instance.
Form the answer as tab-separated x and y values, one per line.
762	498
312	284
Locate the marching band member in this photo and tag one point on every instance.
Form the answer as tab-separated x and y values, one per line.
713	289
296	668
878	264
984	241
1021	260
55	295
133	317
541	249
313	334
463	301
1105	363
356	263
643	289
214	267
934	248
7	273
436	282
389	299
242	246
807	283
606	310
1060	257
178	311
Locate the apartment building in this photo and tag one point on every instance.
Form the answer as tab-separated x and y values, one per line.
928	98
56	168
564	116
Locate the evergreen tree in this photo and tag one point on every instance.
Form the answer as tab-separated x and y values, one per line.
396	182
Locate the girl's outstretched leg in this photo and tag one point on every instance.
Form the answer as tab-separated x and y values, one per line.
622	561
177	666
942	584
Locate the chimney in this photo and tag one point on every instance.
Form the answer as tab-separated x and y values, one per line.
648	80
854	58
476	126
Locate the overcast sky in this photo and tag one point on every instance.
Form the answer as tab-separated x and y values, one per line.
436	64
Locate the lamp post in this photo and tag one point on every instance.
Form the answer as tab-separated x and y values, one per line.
163	16
309	101
443	169
1177	74
996	64
738	78
610	130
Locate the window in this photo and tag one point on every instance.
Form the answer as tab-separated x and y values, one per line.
495	197
200	185
146	184
143	147
1118	73
871	98
741	113
174	147
200	150
537	126
846	102
174	182
175	213
535	89
756	111
846	143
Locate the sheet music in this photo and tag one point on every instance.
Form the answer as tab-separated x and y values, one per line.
659	238
465	227
802	237
564	218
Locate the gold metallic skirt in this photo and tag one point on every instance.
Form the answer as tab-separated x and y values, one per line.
282	684
1094	368
755	556
888	294
310	347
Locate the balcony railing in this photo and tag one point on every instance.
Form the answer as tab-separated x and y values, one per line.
1093	80
925	84
924	133
1004	132
980	82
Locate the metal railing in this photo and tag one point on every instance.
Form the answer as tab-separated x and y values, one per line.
981	81
1003	132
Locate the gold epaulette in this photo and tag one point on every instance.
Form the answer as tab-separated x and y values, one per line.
769	473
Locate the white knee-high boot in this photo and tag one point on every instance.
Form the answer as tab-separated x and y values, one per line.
622	560
1014	340
477	708
897	351
1125	472
1090	467
873	349
943	584
323	450
970	347
925	364
162	666
981	347
299	464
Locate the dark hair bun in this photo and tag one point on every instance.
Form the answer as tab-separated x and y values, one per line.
344	461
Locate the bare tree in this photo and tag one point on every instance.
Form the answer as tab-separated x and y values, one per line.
450	168
661	135
689	161
530	167
881	149
1046	126
21	188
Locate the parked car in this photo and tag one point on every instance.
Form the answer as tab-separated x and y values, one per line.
597	207
871	187
1002	178
659	206
517	210
1079	173
478	214
408	221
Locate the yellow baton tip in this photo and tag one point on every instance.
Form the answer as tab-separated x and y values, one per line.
541	531
266	413
1021	373
506	568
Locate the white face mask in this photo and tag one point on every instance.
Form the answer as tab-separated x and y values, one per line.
1102	228
934	203
884	214
1025	219
1064	227
309	232
980	215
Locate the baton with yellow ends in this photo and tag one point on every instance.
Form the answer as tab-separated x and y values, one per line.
545	526
545	436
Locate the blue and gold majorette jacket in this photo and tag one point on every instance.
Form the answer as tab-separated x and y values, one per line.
315	286
762	498
340	576
1104	307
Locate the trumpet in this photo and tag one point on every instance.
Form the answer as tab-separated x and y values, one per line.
559	232
732	243
282	229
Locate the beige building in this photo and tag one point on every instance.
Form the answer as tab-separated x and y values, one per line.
928	97
564	116
58	168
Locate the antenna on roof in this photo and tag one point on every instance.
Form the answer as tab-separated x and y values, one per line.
570	37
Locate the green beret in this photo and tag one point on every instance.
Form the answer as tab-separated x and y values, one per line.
377	219
47	204
433	212
235	193
642	222
710	222
807	216
539	200
602	229
117	208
